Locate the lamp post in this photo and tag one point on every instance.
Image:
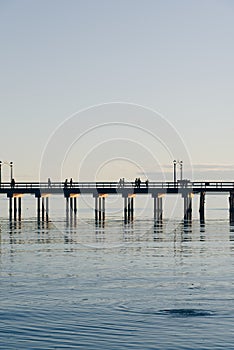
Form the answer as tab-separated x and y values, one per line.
181	170
174	166
11	165
180	162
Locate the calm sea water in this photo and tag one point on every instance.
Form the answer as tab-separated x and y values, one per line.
81	286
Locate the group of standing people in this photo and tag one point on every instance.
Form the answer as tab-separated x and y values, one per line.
138	183
121	182
66	183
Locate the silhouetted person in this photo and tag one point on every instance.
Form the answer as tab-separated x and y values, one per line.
123	181
136	182
146	183
65	183
139	182
12	183
120	182
71	182
49	182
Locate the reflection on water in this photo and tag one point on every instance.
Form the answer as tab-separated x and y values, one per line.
78	231
109	285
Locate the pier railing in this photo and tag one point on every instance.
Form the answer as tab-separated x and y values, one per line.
206	185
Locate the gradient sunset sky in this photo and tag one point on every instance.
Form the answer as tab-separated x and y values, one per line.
172	56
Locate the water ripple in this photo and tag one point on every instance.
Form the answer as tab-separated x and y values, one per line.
187	312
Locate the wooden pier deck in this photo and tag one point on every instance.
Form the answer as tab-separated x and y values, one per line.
115	188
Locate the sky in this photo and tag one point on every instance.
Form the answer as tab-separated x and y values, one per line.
74	75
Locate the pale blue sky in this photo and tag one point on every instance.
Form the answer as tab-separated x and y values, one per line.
176	57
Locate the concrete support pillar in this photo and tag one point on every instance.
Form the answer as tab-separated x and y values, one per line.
103	208
158	208
125	209
15	208
10	208
190	208
75	205
19	208
231	208
128	209
100	209
42	209
202	207
67	208
47	209
187	206
132	208
71	206
38	208
96	209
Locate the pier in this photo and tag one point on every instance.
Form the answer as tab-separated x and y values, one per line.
127	190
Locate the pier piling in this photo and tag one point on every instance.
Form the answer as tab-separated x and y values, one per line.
15	208
71	206
103	208
231	208
132	208
10	208
19	208
96	208
67	208
42	209
128	207
158	208
47	209
187	206
38	208
75	205
202	207
100	208
125	209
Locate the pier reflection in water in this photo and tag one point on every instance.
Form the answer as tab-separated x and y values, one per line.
83	284
77	230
